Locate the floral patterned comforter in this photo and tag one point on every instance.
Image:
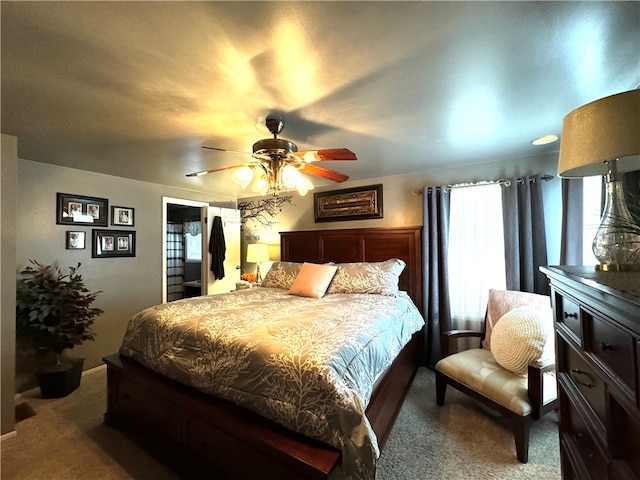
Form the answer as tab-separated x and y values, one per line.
308	364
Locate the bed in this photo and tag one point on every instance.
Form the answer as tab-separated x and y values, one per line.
202	435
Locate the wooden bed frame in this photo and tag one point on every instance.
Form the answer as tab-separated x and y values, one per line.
202	436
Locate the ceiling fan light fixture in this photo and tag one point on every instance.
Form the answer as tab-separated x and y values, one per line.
304	186
260	184
243	176
310	156
277	165
290	176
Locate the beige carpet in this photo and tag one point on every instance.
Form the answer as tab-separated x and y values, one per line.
66	440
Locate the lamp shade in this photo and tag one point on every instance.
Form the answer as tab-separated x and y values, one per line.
600	131
257	253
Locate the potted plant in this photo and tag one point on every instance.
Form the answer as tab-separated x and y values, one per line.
54	313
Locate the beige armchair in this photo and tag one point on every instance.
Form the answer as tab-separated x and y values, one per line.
513	371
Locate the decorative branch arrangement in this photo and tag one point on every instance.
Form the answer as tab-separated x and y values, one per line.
261	210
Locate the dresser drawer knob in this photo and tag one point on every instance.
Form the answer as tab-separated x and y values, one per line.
605	346
570	315
577	373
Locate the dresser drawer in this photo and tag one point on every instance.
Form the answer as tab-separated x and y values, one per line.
624	441
586	382
613	349
586	447
568	314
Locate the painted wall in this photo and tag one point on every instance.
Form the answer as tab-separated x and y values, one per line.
128	284
8	186
402	206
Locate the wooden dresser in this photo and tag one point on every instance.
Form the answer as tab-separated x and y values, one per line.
597	322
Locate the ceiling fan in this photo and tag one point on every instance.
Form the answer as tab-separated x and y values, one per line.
277	165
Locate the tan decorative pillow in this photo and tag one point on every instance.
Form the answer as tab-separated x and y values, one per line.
281	275
522	336
503	301
313	280
368	277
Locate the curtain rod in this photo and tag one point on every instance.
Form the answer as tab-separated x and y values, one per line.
504	182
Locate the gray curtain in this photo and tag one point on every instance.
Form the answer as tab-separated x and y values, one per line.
524	235
571	237
437	312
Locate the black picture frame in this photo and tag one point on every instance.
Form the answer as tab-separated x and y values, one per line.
122	216
76	240
113	243
74	209
357	203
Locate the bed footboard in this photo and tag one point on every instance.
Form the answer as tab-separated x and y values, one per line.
196	434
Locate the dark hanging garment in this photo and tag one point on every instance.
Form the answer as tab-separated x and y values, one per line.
217	248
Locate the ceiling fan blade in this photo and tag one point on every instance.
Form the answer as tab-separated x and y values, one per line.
204	172
326	155
225	150
324	173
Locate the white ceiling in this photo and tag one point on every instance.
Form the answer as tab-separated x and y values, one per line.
134	89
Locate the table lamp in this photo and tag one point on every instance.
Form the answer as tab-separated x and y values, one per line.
258	253
603	138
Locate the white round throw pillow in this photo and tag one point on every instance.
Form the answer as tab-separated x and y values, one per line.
520	337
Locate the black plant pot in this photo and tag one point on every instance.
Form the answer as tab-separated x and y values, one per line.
60	380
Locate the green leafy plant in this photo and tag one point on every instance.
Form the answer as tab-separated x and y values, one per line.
53	309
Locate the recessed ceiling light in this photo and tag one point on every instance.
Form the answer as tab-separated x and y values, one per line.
545	139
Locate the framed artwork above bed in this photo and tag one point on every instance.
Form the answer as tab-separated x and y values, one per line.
348	204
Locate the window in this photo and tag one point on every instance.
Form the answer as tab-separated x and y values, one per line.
476	251
592	201
193	247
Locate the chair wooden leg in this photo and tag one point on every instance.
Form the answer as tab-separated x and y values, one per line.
534	389
521	427
441	388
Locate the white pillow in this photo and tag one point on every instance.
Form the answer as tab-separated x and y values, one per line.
522	336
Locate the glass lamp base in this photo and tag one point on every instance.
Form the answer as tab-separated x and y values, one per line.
616	244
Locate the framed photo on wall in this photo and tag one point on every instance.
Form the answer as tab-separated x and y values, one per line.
122	216
113	243
76	240
81	210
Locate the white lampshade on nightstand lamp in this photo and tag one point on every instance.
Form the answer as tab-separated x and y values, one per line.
258	253
603	138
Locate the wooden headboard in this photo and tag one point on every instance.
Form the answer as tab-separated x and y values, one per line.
360	245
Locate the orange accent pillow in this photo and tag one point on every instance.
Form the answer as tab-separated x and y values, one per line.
313	280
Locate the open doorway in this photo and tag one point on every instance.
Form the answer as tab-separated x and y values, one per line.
186	258
184	252
183	248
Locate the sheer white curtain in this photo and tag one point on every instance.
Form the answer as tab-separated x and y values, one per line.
476	252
